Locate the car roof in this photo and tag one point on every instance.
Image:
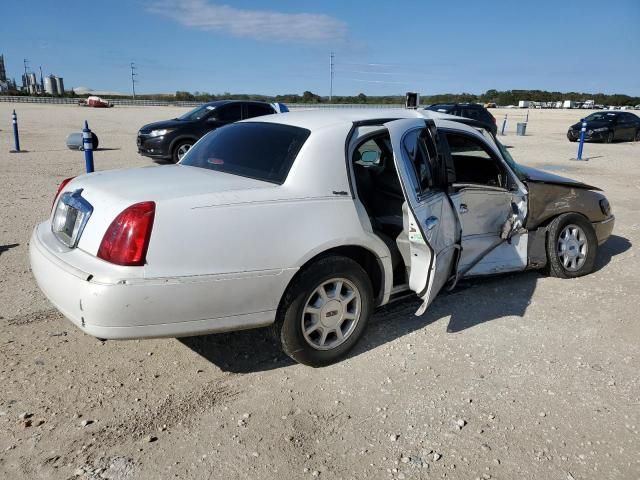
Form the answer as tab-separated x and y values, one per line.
330	117
441	105
219	103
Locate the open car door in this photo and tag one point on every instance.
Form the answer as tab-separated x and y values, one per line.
432	224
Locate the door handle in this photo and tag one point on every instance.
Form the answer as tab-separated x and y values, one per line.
463	208
431	222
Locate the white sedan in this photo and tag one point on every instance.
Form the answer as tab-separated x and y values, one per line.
306	221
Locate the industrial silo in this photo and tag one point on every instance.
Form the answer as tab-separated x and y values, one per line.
50	85
60	85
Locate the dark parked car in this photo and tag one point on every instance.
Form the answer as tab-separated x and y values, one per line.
473	111
607	127
171	139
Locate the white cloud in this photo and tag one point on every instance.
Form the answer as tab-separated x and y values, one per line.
256	24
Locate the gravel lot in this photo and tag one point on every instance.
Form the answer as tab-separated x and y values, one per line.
518	376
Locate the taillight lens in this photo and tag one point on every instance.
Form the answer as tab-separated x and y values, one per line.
127	238
63	184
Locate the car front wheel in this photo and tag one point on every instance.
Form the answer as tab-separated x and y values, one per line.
324	311
181	149
609	138
571	246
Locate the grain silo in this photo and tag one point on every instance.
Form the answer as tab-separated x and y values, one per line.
50	85
60	85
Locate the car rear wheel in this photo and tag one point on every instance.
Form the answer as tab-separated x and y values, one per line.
571	246
181	149
324	311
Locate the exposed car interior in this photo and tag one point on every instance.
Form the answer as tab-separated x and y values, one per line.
474	164
380	192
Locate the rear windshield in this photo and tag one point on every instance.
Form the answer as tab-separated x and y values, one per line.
260	150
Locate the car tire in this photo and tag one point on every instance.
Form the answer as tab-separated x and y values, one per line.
571	138
303	307
180	149
609	138
637	136
571	246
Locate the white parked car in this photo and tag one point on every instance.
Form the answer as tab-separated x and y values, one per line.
306	221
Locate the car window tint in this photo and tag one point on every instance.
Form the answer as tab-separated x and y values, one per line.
260	150
471	113
369	154
229	113
256	110
416	149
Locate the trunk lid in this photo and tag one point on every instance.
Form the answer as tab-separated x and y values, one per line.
110	192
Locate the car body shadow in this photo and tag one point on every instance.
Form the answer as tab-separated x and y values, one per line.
472	303
5	248
615	245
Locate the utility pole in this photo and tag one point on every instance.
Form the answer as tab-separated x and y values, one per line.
331	56
133	79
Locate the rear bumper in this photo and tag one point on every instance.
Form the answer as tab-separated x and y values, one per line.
145	308
603	229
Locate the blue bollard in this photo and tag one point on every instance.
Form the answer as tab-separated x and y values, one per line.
504	124
87	145
581	144
16	136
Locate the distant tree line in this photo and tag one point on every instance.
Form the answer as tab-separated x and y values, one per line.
504	97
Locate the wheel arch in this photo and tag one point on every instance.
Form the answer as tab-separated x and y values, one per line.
537	251
179	139
366	258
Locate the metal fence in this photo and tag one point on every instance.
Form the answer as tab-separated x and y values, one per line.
160	103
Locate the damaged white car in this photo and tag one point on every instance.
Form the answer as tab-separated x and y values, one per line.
307	222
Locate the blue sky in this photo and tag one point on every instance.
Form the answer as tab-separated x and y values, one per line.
283	47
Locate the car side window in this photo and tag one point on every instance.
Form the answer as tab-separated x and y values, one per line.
473	161
415	144
257	110
471	113
229	113
369	154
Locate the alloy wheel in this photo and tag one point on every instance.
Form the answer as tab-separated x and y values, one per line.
331	314
183	149
572	247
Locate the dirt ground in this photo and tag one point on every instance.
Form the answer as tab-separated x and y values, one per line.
513	377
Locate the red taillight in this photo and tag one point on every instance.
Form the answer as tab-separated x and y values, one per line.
127	238
63	184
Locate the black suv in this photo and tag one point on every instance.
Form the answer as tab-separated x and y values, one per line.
467	110
171	139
